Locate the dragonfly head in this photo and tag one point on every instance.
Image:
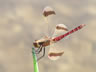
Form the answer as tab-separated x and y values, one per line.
35	43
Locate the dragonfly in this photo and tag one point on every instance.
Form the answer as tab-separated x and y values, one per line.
61	31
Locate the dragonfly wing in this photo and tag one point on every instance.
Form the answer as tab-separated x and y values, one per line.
59	30
48	11
56	49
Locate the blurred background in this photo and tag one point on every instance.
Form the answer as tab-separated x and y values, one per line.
21	23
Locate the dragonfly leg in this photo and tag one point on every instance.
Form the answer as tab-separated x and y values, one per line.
42	55
38	50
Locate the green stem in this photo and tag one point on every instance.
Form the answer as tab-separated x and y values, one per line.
35	61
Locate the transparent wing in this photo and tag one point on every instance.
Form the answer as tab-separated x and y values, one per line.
48	13
56	48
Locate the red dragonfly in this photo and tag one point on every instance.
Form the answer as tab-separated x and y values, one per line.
61	31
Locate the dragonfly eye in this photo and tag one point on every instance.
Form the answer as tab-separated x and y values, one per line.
35	44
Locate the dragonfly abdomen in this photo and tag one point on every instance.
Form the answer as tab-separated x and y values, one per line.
68	33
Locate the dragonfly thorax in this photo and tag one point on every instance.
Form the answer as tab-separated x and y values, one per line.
42	42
